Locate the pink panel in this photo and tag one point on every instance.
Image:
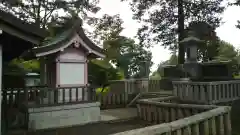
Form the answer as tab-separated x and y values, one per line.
72	54
86	73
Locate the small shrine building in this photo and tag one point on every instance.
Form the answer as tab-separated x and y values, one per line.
64	70
65	59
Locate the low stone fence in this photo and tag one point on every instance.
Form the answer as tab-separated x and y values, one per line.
167	111
137	85
208	92
182	119
46	96
122	92
17	102
112	100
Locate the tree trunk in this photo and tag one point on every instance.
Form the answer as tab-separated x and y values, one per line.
180	31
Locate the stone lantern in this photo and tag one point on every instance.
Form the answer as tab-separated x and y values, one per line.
191	43
191	67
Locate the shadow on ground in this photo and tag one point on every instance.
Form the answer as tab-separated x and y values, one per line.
235	117
103	128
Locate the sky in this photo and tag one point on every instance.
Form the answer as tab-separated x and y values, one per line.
227	31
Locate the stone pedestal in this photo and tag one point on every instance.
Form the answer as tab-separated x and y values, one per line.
192	69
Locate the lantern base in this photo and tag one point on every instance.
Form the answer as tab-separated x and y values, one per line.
192	70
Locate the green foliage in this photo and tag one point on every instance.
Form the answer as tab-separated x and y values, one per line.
108	27
104	90
236	3
165	21
227	52
31	65
128	56
155	75
173	60
132	58
237	77
42	12
21	67
100	72
161	17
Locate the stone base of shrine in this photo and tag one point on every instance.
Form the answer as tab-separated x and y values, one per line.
63	116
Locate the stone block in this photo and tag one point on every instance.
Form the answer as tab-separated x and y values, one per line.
235	119
193	70
216	70
173	71
63	116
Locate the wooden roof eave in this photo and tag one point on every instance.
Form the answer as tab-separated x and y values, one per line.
20	34
86	42
67	38
90	50
43	51
16	23
47	50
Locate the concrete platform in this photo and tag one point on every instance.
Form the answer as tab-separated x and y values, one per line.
63	116
102	128
112	121
118	114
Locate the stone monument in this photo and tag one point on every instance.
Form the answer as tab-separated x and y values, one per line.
193	69
208	82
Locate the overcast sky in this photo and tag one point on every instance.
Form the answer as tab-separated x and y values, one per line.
227	31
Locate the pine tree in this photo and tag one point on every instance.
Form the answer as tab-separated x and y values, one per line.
165	20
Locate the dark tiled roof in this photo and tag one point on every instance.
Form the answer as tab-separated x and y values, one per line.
9	19
88	41
64	37
18	36
57	39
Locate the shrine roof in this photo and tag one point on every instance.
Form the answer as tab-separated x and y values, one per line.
67	38
16	27
18	36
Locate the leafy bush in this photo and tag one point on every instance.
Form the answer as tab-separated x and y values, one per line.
105	90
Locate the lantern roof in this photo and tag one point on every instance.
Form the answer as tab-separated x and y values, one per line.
191	39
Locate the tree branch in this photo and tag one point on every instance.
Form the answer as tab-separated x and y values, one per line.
33	6
38	17
47	15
